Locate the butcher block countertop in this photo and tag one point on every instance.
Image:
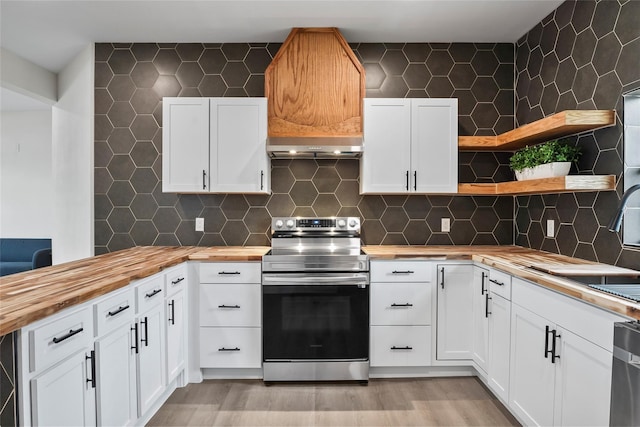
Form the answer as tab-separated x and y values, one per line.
33	295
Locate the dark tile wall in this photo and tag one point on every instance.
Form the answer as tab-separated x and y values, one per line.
8	408
131	210
582	56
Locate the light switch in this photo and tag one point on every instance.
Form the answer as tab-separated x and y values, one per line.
551	228
199	224
445	225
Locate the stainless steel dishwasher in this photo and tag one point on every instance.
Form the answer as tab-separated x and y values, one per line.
625	377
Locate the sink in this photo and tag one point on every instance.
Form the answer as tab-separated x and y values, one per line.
625	290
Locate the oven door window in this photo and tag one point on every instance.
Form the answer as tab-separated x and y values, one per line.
315	322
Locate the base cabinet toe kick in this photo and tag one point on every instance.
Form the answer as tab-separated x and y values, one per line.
115	360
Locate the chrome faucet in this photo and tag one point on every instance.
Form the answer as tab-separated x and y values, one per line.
614	224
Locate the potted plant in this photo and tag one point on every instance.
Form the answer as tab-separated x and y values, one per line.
553	158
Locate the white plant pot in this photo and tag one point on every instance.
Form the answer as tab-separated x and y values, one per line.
548	170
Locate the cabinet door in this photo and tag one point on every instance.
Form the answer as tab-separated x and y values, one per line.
400	346
115	377
531	387
63	396
239	161
386	160
583	382
455	308
499	346
151	358
434	145
175	335
480	297
185	145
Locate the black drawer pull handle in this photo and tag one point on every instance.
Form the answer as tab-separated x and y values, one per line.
145	340
154	293
402	272
172	315
228	272
401	348
68	335
228	306
178	280
401	305
229	349
135	339
92	357
496	282
118	311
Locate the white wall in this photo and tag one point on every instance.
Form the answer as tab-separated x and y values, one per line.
72	130
26	177
27	78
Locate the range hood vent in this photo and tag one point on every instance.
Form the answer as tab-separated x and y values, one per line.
314	88
314	147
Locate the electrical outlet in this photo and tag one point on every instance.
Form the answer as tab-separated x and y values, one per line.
199	224
551	228
445	225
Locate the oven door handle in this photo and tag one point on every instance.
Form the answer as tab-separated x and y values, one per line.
311	279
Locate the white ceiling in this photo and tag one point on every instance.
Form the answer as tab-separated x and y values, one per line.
51	32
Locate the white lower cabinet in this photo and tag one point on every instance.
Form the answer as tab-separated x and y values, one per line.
150	361
400	346
64	395
176	334
455	311
230	305
480	301
499	346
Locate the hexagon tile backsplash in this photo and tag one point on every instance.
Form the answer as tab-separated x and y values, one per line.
131	210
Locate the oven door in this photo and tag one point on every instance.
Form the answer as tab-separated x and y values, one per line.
310	317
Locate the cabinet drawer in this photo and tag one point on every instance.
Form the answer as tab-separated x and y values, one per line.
401	271
500	283
175	279
149	292
230	272
230	348
400	304
59	338
400	345
114	311
230	305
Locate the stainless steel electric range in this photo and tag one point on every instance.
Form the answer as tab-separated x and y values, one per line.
315	301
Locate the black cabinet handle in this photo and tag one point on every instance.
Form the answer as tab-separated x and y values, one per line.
92	357
153	293
486	305
146	332
442	280
402	272
204	177
228	272
496	282
229	349
546	342
401	348
484	276
172	316
261	179
178	280
228	306
415	181
118	311
407	185
554	356
401	305
135	337
67	335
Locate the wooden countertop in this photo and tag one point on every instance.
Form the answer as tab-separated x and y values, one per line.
32	295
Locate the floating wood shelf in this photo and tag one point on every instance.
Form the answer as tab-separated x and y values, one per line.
558	125
561	184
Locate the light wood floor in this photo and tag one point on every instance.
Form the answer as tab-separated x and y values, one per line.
395	402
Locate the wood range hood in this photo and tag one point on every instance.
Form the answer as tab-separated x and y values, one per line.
314	88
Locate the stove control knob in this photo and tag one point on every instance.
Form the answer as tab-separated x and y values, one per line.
279	223
353	222
290	223
342	223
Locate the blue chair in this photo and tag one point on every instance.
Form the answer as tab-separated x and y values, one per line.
18	255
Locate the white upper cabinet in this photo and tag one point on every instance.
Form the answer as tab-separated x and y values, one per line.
185	145
410	146
239	161
215	145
